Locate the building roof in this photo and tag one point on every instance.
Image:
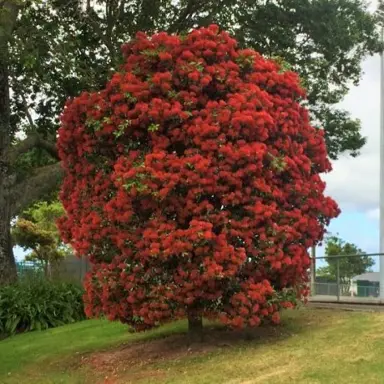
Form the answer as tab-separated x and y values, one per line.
368	276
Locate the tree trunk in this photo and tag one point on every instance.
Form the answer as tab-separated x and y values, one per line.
45	263
8	273
47	270
195	328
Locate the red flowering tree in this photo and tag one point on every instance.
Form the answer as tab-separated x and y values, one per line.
192	184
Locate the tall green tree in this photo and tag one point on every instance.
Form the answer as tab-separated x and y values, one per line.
344	258
54	49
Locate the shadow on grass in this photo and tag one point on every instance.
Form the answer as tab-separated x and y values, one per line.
169	345
91	350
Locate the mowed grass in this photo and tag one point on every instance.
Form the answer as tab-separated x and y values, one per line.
311	346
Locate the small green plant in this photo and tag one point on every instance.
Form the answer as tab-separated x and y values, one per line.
36	304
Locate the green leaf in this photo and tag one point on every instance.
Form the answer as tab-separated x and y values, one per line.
153	127
130	98
107	120
121	128
95	125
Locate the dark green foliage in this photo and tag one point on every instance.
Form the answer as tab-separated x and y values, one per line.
36	304
61	49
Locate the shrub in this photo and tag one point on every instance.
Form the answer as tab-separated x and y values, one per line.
192	182
36	304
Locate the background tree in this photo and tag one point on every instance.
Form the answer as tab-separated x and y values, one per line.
192	183
349	267
55	49
36	230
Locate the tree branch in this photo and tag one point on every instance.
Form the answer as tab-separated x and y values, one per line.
179	24
32	141
121	10
111	19
42	182
24	101
103	37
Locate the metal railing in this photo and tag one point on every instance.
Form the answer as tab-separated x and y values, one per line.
345	290
335	286
70	269
344	281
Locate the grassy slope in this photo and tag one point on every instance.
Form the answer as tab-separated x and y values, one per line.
316	347
45	357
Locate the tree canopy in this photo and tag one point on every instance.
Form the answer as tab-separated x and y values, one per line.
192	183
55	49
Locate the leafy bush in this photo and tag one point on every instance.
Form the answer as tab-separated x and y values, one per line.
36	304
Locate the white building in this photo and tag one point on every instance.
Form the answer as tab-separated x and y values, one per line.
366	284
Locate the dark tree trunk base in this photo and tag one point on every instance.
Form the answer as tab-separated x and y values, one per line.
195	329
8	273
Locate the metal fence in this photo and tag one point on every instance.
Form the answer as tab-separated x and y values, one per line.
346	278
70	269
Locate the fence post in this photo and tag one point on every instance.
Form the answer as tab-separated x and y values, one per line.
338	279
313	270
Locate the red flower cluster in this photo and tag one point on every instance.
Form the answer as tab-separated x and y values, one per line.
192	183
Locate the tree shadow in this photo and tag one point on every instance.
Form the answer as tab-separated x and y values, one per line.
140	356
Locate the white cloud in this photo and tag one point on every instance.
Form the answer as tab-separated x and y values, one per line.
354	182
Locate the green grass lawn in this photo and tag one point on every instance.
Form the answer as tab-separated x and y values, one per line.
311	346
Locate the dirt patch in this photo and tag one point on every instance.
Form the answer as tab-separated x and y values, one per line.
127	360
134	362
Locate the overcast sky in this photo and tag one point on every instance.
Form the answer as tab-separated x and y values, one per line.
354	182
